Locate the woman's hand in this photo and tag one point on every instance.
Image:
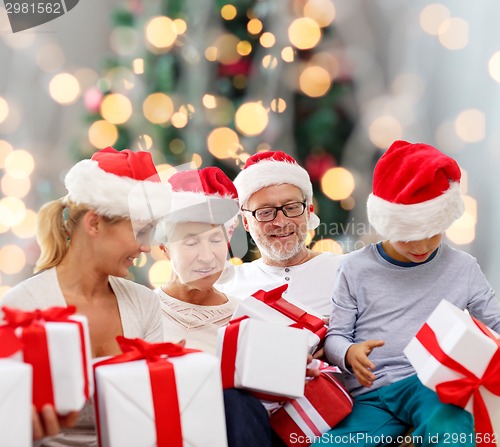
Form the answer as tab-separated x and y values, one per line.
357	358
48	423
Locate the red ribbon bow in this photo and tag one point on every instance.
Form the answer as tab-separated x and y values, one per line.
163	385
273	298
460	391
23	318
33	343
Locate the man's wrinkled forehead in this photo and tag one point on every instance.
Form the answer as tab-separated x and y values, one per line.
275	195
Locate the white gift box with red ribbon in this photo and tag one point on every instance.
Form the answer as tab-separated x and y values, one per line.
270	306
56	343
15	404
183	406
263	358
459	358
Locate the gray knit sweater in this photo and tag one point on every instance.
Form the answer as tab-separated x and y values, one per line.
375	299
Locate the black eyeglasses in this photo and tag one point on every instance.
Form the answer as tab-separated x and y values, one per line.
294	209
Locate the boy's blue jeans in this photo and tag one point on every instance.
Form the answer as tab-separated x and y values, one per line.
383	417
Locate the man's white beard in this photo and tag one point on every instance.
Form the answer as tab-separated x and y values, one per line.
279	251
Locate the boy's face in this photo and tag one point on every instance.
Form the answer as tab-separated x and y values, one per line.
413	251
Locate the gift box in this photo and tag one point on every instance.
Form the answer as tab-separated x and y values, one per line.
459	357
15	404
263	358
159	395
325	403
272	307
56	343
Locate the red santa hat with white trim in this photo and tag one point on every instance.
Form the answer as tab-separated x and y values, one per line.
119	184
206	195
274	168
415	193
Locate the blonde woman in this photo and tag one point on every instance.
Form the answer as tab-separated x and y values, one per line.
89	239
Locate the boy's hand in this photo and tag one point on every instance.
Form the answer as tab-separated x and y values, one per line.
357	358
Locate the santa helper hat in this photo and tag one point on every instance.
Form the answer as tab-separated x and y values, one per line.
415	192
205	196
275	168
119	184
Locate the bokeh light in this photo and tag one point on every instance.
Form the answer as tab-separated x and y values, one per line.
454	34
116	108
321	11
463	230
12	211
278	105
19	164
228	12
27	227
15	187
314	81
161	33
4	109
50	57
383	130
304	33
223	142
470	125
5	149
64	88
158	108
227	48
432	17
12	259
267	39
254	26
327	246
102	134
288	54
251	118
160	273
337	183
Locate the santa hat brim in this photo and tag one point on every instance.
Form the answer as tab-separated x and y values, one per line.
111	195
399	222
200	208
274	172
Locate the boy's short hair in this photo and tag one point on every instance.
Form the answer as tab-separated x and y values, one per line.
415	192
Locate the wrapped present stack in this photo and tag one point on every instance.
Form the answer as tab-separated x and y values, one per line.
159	394
459	357
56	344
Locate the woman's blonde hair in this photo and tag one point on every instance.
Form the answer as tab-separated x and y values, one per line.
56	221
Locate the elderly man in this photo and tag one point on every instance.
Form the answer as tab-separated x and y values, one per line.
275	196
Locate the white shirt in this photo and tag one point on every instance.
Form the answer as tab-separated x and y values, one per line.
310	283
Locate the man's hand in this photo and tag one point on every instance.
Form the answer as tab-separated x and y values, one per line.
357	358
48	423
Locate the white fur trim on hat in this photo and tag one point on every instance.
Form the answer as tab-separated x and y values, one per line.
111	195
398	222
273	172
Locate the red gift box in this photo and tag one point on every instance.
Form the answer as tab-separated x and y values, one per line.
325	403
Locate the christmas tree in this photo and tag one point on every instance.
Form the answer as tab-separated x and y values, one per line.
212	82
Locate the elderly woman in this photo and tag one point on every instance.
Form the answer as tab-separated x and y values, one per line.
195	238
89	239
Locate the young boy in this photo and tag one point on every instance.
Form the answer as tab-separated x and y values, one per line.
386	291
